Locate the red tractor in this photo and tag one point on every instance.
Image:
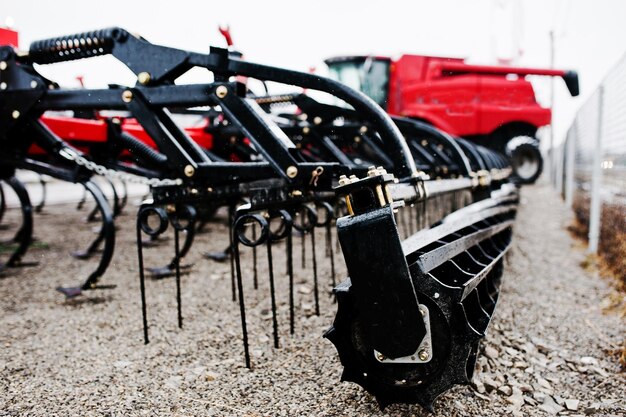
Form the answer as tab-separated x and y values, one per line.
494	106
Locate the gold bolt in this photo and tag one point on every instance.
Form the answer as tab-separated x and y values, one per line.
221	91
296	193
380	357
306	130
194	191
209	189
189	171
3	65
317	120
15	114
144	78
423	355
170	208
292	171
363	129
127	96
357	139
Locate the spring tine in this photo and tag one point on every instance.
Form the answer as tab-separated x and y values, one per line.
231	218
142	284
329	248
270	266
315	289
177	268
254	260
290	273
242	306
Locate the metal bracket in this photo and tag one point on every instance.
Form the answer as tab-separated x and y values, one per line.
424	352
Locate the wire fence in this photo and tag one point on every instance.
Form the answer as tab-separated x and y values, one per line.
590	167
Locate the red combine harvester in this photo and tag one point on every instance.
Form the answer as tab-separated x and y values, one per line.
8	37
494	106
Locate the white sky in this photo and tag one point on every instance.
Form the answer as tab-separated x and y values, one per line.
591	35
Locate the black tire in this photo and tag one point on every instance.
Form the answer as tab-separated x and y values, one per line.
526	159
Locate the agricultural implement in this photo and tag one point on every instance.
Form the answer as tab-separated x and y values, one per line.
423	220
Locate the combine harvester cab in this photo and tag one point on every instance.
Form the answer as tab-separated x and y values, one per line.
494	106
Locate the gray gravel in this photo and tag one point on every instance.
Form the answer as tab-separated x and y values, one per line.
545	352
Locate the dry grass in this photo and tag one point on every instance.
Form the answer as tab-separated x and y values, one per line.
611	259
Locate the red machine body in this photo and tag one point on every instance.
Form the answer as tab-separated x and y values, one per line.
8	37
461	99
83	133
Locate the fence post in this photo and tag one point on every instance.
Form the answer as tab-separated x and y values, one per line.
595	207
558	180
570	156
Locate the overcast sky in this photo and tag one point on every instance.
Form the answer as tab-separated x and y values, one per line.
590	35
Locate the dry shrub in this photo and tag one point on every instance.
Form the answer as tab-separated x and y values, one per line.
612	245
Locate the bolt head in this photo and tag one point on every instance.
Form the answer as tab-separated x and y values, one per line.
363	129
33	84
380	357
15	114
144	78
292	171
3	86
3	65
306	130
189	171
423	355
317	120
127	96
221	91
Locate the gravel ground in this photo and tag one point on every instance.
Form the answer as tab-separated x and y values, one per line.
545	352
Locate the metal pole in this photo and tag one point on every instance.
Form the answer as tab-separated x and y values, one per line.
558	181
570	156
596	181
551	149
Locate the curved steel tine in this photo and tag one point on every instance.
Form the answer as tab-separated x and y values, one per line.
106	235
3	202
170	269
82	201
39	207
24	235
116	200
124	199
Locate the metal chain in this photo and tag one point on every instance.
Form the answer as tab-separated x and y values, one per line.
112	174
